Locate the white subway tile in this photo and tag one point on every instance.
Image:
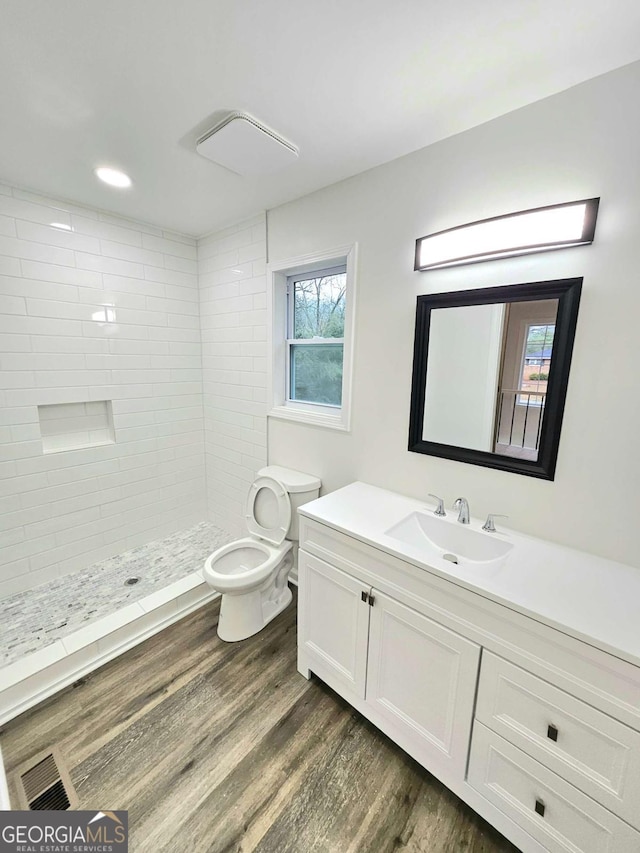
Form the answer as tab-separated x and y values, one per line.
60	310
21	209
141	318
14	569
138	286
112	298
170	276
49	344
113	266
52	236
170	247
27	548
61	274
179	237
120	221
59	207
7	226
12	305
70	378
15	286
11	537
21	415
35	251
185	265
131	253
252	252
148	362
9	266
106	231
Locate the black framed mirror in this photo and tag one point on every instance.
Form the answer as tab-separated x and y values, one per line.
490	374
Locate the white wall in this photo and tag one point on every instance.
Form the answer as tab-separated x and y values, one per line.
62	511
465	346
578	144
233	316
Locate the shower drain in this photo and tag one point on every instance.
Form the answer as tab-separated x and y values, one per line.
132	581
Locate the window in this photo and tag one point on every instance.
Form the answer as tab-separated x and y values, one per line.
536	362
315	337
311	310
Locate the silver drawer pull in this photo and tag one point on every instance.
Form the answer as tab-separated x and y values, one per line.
552	732
540	808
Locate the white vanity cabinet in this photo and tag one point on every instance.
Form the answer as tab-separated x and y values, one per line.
417	677
537	730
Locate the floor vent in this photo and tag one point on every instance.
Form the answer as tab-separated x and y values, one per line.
44	783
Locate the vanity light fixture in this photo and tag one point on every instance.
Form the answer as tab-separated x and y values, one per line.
557	226
113	177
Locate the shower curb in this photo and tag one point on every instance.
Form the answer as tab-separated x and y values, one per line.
37	676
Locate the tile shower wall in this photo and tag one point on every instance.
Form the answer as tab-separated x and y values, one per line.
95	308
233	317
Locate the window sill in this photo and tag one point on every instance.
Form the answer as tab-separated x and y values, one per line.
338	421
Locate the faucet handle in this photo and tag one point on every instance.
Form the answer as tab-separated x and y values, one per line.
489	526
439	510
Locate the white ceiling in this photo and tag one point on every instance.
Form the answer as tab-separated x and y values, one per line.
353	83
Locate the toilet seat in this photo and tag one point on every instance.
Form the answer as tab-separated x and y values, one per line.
243	564
275	525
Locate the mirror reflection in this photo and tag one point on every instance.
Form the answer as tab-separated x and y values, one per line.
490	373
487	375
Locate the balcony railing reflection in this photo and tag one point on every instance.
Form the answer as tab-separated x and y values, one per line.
520	415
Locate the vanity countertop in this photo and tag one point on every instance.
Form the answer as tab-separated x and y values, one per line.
588	597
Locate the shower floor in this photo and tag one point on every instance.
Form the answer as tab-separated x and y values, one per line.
34	619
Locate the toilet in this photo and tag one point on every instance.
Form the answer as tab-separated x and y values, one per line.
252	572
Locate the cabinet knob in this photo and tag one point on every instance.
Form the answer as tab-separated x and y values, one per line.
540	808
365	596
552	732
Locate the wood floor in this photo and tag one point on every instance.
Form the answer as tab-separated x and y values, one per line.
225	747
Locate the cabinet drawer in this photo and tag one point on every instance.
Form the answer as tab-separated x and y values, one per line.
555	813
588	748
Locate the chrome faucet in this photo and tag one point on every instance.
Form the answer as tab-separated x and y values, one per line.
489	526
439	510
462	505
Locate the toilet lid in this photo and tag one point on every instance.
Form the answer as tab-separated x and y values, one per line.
268	510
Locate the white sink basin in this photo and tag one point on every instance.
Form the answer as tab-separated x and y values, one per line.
457	543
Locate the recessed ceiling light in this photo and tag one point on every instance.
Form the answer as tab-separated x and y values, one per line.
62	226
113	177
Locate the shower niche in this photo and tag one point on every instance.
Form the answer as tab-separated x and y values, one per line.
73	426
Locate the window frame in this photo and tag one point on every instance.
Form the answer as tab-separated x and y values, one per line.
526	326
280	275
290	341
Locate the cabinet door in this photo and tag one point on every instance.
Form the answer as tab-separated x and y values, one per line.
421	683
333	624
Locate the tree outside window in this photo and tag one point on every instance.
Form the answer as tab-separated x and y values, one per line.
315	338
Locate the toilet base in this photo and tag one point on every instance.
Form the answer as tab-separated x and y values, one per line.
242	616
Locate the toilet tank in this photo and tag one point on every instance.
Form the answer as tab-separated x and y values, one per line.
301	487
